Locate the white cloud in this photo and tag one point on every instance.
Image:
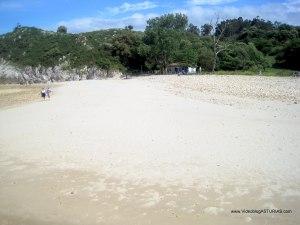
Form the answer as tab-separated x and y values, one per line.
132	7
8	5
293	6
287	12
210	2
137	20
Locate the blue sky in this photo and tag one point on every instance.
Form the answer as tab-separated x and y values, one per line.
87	15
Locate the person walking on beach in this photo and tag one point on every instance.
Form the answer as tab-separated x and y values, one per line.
43	93
48	91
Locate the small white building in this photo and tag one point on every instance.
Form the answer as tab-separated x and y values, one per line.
192	70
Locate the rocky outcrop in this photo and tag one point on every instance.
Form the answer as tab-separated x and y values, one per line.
27	75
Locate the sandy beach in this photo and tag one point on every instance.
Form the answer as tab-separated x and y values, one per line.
154	150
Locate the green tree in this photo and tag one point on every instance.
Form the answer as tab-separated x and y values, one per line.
186	53
129	27
290	54
62	29
126	46
241	56
193	29
176	21
165	36
206	29
205	58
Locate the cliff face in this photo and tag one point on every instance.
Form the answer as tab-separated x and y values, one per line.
28	75
32	55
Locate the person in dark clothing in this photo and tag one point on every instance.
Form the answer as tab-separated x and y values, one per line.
43	93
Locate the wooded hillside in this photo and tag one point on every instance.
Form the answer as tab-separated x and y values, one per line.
235	44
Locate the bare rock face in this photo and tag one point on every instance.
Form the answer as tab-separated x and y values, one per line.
114	73
28	75
94	73
8	73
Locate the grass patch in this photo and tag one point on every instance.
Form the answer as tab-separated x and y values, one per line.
14	94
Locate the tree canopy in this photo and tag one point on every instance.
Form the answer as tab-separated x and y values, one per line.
168	39
62	29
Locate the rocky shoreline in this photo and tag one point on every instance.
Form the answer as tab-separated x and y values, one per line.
10	74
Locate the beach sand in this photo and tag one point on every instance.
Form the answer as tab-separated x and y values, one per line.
154	150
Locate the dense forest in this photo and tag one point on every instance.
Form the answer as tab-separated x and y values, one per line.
234	44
